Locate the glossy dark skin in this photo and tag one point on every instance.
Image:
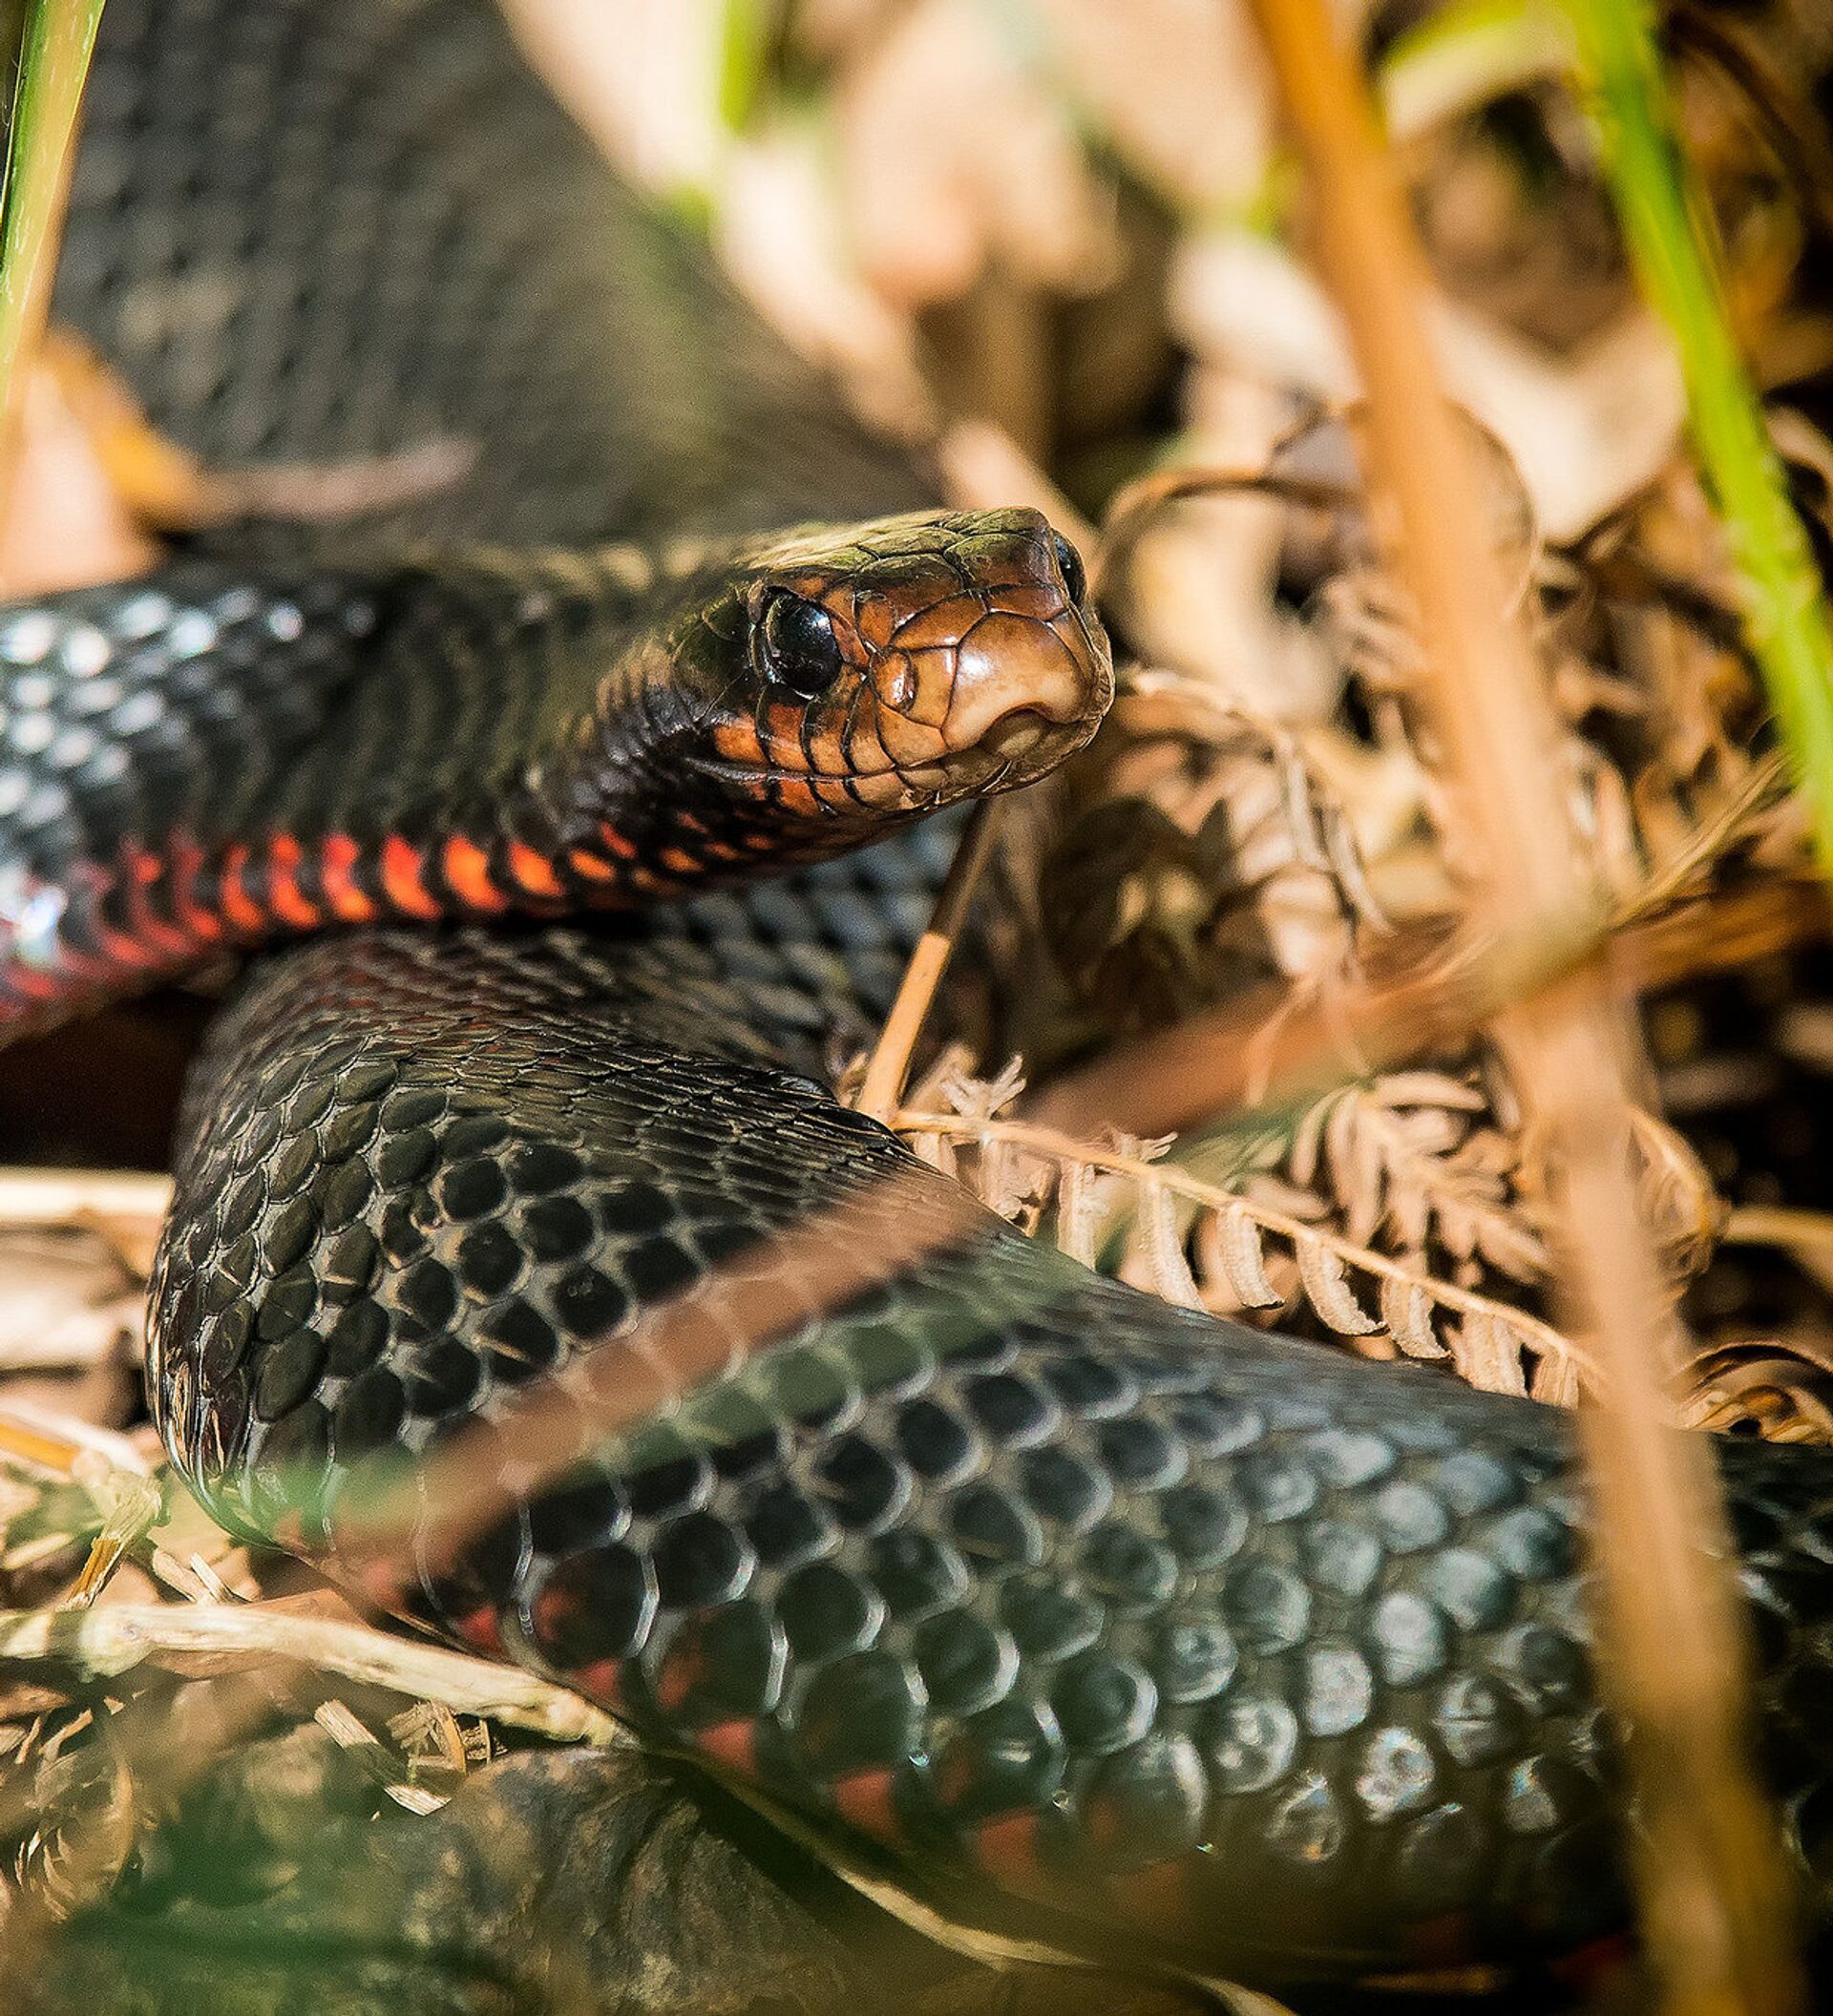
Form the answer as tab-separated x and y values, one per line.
468	732
1075	1615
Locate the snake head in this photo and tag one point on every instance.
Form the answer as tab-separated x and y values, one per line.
876	673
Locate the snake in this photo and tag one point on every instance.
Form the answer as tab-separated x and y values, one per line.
551	720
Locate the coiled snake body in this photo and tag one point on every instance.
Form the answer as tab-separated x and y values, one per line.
1092	1622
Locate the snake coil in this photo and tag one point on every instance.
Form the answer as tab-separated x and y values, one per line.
1079	1618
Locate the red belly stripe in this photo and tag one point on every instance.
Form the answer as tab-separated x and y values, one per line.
864	1800
533	871
402	870
164	937
28	983
233	899
284	897
732	1744
199	919
337	859
1159	1892
1007	1850
467	872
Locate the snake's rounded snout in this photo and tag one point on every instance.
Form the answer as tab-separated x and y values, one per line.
1010	665
1033	677
1007	662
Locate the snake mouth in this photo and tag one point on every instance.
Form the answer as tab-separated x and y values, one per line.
1021	746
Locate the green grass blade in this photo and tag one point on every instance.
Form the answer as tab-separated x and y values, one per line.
53	60
1663	224
745	30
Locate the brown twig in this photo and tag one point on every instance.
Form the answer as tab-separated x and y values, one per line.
1139	502
1777	1224
890	1061
30	1196
983	469
1766	784
1714	1897
125	1208
1172	1082
101	1644
28	1444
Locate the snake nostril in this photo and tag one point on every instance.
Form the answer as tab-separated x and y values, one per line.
1017	733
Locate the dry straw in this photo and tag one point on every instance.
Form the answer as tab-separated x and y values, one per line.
1714	1897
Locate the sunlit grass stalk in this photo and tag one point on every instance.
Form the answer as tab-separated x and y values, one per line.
1714	1898
745	33
54	61
1663	223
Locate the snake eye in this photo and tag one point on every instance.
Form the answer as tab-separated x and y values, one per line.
1075	577
798	644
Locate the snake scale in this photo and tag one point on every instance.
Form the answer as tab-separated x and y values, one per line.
1075	1618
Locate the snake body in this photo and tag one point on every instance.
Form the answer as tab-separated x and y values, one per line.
1087	1621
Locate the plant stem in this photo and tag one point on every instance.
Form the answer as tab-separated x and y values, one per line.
1713	1895
54	61
1664	222
745	30
890	1063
